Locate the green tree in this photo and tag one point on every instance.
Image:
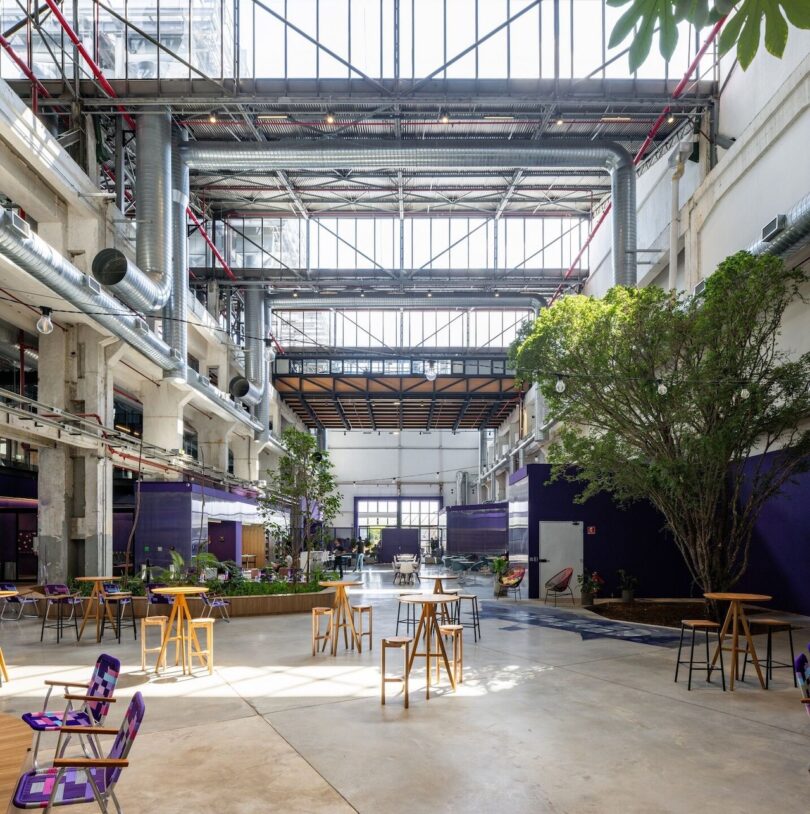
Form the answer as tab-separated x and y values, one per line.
304	484
665	397
742	27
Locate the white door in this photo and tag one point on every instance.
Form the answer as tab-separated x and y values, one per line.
561	545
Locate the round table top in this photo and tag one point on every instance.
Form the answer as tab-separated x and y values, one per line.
182	590
335	583
733	597
440	576
8	593
98	579
429	599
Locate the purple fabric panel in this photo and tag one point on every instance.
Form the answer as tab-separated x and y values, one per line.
397	541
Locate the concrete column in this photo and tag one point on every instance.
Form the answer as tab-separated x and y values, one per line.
245	457
55	472
163	415
213	437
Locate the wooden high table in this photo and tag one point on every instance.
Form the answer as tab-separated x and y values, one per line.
15	743
428	630
180	614
736	619
5	595
98	591
438	588
342	610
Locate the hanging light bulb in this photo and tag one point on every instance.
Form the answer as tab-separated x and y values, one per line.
212	117
662	389
444	118
497	293
330	119
560	386
670	119
430	373
362	293
429	293
745	394
44	324
560	121
295	294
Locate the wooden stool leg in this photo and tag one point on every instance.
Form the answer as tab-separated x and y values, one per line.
3	665
678	662
405	681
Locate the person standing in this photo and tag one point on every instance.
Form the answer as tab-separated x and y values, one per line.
339	557
358	565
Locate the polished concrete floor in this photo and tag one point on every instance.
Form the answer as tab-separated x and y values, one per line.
548	719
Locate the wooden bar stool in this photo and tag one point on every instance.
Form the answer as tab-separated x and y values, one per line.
457	659
771	626
410	619
317	636
707	627
400	643
3	669
206	654
359	611
475	623
160	623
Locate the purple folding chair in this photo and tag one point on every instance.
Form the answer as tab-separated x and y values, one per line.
212	603
95	698
19	602
74	781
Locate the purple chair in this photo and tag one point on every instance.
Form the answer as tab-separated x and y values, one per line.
212	603
74	781
19	602
90	713
801	669
156	599
61	596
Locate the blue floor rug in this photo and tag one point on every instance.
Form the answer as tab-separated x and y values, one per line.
587	627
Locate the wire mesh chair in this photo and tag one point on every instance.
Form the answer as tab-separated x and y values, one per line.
559	585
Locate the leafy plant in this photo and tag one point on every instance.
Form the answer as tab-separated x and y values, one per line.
667	396
304	483
499	566
590	583
743	26
627	582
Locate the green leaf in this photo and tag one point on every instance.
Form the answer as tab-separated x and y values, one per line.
724	7
668	33
625	24
776	30
748	44
731	32
797	12
698	13
617	3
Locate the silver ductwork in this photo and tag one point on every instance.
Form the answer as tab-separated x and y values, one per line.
436	154
175	330
32	254
794	235
250	387
146	285
263	414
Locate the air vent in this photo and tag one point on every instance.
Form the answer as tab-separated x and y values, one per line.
774	227
92	284
19	224
700	287
140	326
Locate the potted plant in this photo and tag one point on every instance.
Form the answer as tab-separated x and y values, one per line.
499	566
628	584
589	585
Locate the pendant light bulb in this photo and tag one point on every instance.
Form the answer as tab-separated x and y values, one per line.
745	394
560	386
44	324
662	389
430	373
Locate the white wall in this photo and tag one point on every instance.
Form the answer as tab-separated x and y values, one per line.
365	464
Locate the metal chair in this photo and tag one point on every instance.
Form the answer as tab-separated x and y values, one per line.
511	581
61	596
95	696
212	603
19	601
74	781
122	600
707	626
559	585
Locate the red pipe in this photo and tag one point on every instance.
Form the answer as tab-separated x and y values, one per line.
29	74
677	93
94	68
195	220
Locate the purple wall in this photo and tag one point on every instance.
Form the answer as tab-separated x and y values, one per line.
397	541
779	562
631	538
226	541
480	529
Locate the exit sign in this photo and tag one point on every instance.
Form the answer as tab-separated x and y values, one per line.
590	530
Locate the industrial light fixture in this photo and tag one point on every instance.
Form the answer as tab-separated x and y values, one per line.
429	293
212	117
44	324
443	117
499	118
745	394
295	293
497	293
671	119
662	389
616	119
560	121
272	117
362	293
431	373
560	386
329	119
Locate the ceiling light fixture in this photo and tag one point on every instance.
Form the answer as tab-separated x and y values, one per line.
671	119
444	118
272	117
560	121
430	372
499	118
330	119
560	386
616	119
497	293
429	293
44	324
295	294
212	117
